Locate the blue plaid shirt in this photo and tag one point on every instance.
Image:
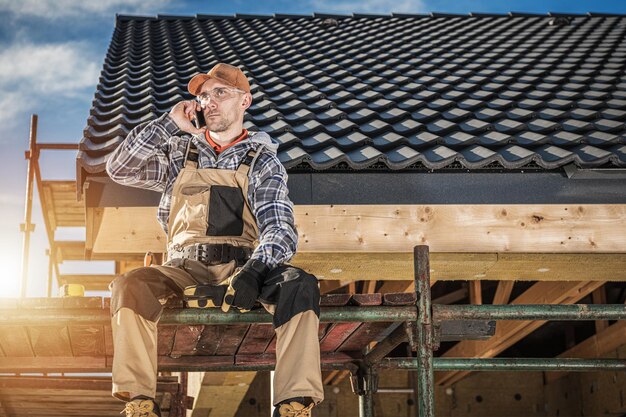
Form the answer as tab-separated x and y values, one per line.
153	154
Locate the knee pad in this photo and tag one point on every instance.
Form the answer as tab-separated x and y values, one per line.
297	296
138	290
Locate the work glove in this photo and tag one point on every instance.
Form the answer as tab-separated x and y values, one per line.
244	286
204	295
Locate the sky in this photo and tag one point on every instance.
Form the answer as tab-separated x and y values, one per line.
51	54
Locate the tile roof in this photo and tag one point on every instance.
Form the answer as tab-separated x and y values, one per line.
391	92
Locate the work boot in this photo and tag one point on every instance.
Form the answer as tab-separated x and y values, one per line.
205	295
294	407
142	407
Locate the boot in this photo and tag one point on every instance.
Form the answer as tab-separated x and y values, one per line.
294	407
204	296
142	407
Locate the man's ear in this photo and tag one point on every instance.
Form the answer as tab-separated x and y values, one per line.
247	101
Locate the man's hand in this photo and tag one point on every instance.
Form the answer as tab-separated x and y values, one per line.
245	286
183	113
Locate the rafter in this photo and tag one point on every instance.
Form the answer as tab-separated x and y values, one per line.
596	346
510	332
503	292
599	297
476	293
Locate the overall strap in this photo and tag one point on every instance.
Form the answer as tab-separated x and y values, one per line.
244	166
191	155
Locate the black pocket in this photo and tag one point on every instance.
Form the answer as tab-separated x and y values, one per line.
225	211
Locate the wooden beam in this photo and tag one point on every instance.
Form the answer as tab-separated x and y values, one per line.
73	383
3	409
599	297
390	228
510	332
476	292
598	345
503	292
338	257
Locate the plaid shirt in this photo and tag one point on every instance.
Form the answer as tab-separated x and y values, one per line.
153	154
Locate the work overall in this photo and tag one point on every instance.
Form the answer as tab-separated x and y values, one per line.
210	209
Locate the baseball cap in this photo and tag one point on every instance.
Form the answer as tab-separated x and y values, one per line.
225	73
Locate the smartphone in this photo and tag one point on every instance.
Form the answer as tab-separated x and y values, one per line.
199	120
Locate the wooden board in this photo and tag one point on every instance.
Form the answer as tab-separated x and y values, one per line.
398	228
361	337
221	340
87	340
186	339
257	339
15	342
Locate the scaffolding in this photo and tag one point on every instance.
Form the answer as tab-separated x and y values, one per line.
422	324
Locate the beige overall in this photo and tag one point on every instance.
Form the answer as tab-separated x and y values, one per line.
198	215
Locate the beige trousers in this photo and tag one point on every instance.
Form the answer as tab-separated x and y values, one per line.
297	374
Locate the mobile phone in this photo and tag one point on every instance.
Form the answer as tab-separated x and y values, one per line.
199	120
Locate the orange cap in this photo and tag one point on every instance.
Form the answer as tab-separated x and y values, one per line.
224	73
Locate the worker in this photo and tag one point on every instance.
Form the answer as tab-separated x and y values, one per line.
230	231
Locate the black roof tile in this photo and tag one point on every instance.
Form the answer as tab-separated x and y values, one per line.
397	90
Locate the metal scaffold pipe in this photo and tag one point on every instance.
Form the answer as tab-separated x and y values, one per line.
574	312
530	312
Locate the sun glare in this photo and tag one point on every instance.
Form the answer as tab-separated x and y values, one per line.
11	278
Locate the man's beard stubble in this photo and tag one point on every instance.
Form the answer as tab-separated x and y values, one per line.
222	124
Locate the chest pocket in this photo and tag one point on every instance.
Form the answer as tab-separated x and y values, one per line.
225	211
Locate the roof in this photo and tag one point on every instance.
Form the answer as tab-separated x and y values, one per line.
385	93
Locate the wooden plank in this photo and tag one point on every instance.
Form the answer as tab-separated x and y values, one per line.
81	302
334	300
337	335
399	299
165	340
54	364
596	346
50	341
367	299
361	337
186	339
348	266
257	339
476	292
221	340
510	332
130	229
15	342
492	228
87	340
503	292
452	297
30	384
398	228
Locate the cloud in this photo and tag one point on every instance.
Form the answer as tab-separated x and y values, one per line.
369	6
33	74
54	9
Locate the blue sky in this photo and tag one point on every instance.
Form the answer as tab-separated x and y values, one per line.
51	53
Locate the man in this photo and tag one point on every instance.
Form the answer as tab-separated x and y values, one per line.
230	228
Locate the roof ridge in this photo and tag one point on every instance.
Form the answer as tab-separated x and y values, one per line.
126	17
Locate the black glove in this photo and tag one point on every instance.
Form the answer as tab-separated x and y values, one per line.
245	285
204	295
